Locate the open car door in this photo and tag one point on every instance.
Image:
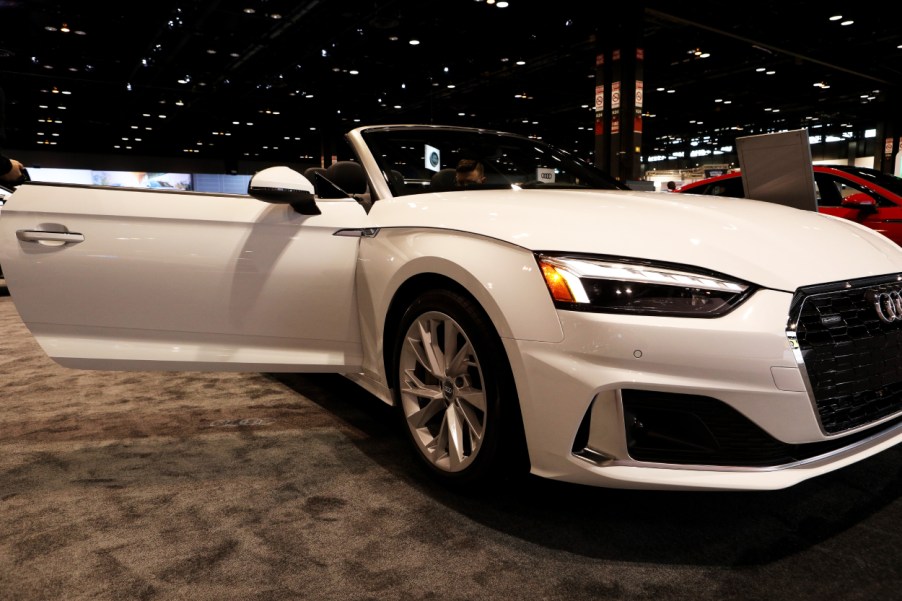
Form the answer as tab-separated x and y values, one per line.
116	278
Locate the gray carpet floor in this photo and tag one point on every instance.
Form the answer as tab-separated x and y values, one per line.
218	486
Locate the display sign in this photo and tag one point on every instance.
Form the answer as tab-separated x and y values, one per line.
545	175
599	99
433	158
777	168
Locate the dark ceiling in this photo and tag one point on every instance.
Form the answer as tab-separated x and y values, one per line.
273	79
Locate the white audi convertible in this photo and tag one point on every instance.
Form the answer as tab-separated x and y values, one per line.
520	309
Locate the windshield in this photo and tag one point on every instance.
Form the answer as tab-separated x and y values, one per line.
421	160
890	182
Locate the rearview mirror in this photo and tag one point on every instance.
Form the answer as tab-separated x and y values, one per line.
860	200
282	185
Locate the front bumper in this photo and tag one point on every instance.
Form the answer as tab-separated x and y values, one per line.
580	429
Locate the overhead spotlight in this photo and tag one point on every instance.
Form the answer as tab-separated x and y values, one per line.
414	42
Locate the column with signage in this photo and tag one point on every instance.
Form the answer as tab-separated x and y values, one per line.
887	155
602	121
619	98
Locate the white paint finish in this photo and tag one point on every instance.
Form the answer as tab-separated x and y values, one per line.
218	266
761	242
224	282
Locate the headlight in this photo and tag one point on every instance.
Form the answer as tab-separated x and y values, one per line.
587	284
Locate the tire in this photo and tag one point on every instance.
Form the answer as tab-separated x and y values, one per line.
454	391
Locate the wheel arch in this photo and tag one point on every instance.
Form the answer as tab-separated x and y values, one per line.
404	296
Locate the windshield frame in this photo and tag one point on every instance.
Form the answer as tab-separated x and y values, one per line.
364	142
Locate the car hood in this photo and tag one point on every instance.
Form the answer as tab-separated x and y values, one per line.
760	242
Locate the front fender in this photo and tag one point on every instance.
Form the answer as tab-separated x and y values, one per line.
502	277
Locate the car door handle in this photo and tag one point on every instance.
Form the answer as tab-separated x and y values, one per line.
42	236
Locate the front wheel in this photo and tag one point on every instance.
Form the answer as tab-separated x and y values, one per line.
454	390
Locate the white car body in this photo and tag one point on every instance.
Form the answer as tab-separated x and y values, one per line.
157	280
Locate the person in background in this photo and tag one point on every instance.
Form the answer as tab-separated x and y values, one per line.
671	186
469	171
11	170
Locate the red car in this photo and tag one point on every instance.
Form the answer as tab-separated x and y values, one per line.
867	196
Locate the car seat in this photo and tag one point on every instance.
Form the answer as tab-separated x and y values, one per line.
444	180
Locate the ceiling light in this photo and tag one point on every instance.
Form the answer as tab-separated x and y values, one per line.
414	42
849	22
501	4
836	17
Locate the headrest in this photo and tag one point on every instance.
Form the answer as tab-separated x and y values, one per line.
347	175
446	179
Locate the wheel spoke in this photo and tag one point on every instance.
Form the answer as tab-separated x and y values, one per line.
455	437
413	385
438	446
426	348
449	345
419	419
461	360
473	407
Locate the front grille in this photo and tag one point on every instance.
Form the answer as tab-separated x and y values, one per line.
853	358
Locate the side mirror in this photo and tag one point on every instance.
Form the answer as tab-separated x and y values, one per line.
281	185
860	200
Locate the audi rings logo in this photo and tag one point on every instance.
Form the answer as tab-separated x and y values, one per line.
888	305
